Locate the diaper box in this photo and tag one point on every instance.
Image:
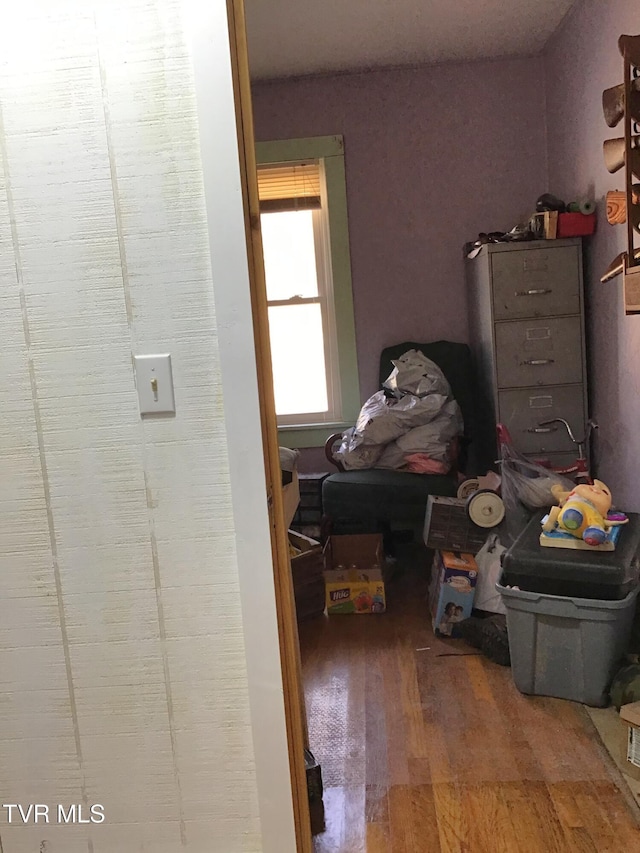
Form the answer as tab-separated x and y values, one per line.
451	591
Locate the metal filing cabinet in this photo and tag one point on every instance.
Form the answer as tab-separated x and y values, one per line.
526	321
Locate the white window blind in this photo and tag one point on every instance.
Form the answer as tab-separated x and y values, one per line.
289	186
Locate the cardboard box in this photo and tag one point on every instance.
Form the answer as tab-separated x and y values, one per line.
576	224
451	591
447	526
354	574
307	566
550	224
630	752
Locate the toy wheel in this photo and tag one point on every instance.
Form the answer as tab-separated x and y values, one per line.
485	508
468	488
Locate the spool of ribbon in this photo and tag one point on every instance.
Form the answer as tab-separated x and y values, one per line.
586	206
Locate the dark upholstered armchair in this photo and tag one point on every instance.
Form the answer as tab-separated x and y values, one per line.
377	499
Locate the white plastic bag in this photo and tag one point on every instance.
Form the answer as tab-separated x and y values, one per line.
435	437
419	417
353	454
393	457
382	420
376	422
489	569
414	373
528	482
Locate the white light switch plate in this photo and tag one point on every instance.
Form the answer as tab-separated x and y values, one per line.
155	384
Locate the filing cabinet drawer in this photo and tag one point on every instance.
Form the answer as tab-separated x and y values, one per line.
556	460
539	352
535	283
523	409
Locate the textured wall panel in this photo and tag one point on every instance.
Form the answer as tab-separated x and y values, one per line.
63	839
122	664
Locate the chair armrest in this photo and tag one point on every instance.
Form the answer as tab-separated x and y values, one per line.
328	450
456	454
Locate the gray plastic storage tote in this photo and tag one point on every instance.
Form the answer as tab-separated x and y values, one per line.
566	647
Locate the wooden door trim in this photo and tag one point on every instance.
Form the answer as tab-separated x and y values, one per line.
285	604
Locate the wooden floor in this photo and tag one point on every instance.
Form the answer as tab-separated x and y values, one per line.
425	746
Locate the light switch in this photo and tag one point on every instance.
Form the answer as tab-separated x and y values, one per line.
155	384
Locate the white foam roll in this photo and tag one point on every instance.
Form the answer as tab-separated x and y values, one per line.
587	207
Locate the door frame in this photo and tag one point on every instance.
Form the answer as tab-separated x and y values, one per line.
295	714
278	717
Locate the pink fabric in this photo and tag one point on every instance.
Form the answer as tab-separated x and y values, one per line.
420	463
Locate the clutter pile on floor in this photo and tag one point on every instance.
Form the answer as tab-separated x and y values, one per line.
560	616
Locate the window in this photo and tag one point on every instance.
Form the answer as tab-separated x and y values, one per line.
297	264
308	278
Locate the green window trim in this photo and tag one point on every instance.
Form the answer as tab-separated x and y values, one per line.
331	150
313	435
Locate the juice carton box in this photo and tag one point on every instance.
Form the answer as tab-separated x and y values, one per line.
353	576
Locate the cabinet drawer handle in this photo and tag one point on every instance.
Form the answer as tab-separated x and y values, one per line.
538	430
539	291
534	362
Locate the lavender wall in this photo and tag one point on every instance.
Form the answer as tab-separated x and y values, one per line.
433	156
580	62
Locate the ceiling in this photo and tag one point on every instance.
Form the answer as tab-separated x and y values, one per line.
299	37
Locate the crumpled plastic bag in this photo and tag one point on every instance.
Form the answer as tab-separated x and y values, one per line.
353	454
434	438
414	415
489	570
382	420
414	373
392	457
526	482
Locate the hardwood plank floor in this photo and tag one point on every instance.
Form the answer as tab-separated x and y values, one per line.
427	747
